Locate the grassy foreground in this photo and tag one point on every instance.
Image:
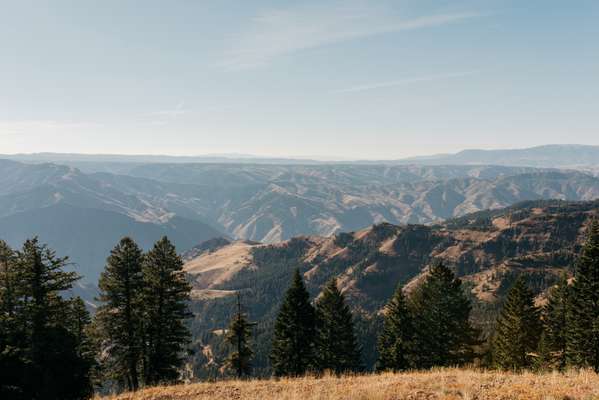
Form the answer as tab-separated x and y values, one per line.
439	384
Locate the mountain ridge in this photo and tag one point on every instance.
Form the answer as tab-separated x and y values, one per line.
548	155
488	250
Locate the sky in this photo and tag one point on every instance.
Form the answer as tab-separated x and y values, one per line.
323	79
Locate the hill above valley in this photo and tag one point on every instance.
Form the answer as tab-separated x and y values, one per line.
447	384
488	250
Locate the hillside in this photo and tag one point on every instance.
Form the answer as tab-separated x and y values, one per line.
87	235
270	203
487	249
449	384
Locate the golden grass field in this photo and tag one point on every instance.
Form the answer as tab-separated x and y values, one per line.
437	384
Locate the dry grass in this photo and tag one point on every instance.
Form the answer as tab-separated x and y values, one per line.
439	384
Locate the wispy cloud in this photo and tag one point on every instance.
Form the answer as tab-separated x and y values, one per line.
280	32
173	112
401	82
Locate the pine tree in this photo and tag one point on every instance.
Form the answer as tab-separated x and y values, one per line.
396	341
78	320
553	341
12	332
165	297
120	315
582	342
337	348
238	336
8	284
49	342
79	323
518	329
292	351
444	334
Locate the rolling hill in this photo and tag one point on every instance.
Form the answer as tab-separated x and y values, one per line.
488	250
264	203
87	235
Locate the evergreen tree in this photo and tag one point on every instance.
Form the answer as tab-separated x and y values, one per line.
553	341
238	336
9	281
518	329
120	315
12	333
337	348
78	319
79	324
582	342
49	342
444	334
396	341
292	351
165	298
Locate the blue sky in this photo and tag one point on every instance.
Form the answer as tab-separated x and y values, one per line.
341	79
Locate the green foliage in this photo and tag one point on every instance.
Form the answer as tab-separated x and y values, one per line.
337	348
119	318
444	333
396	341
582	343
35	327
552	348
518	329
140	326
292	351
165	295
238	336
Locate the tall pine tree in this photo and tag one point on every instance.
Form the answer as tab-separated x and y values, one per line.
292	352
337	348
238	337
553	348
582	342
444	334
119	317
12	329
165	307
396	341
518	329
48	338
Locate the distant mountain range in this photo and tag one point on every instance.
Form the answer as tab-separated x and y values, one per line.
84	212
552	156
546	156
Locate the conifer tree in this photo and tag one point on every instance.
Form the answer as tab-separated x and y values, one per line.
79	324
582	342
518	329
337	348
12	333
238	337
292	352
119	316
8	285
78	319
396	341
553	341
444	334
49	342
165	307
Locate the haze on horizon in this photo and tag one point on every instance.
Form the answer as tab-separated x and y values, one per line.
318	79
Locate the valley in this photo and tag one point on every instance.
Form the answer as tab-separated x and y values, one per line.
266	203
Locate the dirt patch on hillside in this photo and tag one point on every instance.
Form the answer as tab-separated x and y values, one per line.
218	267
